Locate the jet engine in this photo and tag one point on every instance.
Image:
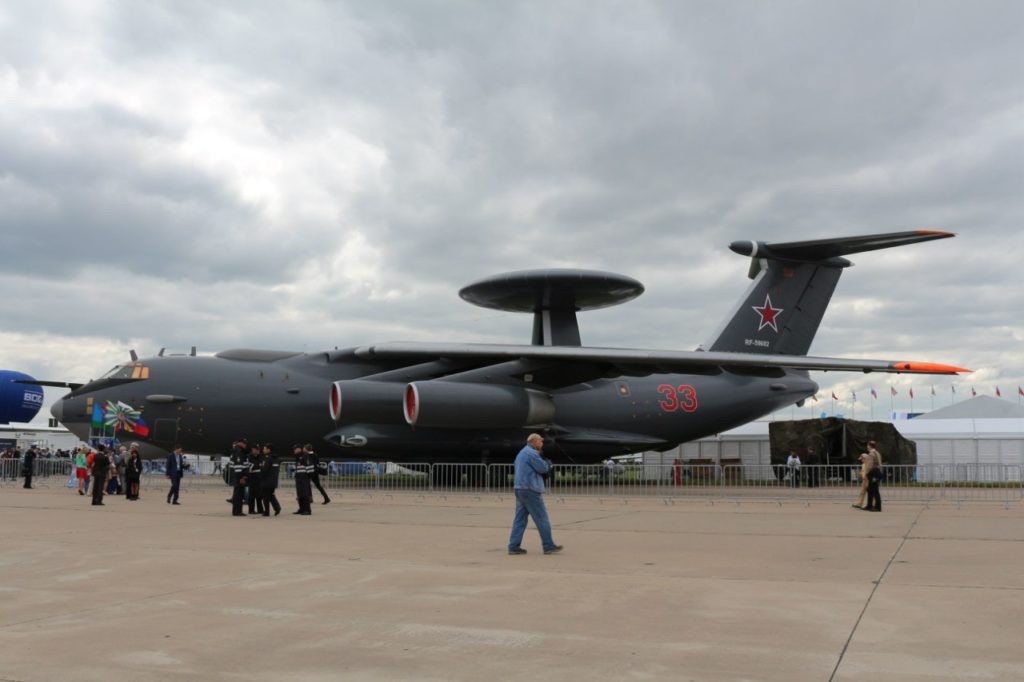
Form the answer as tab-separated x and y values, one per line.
456	405
366	402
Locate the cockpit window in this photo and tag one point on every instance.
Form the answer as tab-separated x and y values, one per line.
136	370
117	373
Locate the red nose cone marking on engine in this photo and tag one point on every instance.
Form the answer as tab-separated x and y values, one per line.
411	400
335	402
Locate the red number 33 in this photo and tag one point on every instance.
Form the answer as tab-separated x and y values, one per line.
683	397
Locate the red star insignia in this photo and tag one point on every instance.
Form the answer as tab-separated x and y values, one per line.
768	314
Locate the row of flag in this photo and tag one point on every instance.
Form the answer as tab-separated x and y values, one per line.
893	392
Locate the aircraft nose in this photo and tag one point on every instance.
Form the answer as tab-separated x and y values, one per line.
57	410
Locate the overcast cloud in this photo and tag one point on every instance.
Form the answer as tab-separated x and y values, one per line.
320	174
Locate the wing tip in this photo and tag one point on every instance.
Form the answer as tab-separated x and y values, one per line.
929	368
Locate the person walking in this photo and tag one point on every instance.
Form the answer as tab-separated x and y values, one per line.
100	468
303	489
132	474
269	478
238	466
174	469
314	477
529	489
874	476
256	480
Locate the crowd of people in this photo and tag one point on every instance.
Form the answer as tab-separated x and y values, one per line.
254	473
108	471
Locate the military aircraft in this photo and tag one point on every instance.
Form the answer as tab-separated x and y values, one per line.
463	403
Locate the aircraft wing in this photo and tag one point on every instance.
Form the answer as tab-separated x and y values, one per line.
653	361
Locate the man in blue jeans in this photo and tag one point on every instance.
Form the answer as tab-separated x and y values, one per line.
529	487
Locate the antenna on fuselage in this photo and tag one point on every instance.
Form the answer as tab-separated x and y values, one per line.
554	296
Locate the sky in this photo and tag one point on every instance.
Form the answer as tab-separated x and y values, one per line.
311	175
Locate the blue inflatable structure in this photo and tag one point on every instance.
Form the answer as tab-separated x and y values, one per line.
19	403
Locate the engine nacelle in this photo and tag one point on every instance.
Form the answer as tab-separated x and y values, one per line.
456	405
366	402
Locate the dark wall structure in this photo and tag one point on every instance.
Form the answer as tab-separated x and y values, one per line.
828	436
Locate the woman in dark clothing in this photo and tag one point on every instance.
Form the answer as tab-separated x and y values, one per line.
133	474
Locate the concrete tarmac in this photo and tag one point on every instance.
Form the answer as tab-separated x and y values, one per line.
404	587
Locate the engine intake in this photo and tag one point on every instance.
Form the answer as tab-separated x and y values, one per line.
455	405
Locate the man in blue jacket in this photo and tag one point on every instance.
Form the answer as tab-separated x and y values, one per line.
529	485
175	469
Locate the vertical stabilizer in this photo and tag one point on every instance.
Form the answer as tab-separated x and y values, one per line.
791	288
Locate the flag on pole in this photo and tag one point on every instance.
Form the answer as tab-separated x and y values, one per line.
1020	391
973	392
999	394
933	389
875	395
911	392
854	393
892	391
952	387
834	396
814	397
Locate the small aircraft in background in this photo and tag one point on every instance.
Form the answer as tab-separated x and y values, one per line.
466	403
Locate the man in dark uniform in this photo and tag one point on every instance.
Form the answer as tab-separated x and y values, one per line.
28	464
255	480
303	490
271	469
314	459
238	467
100	468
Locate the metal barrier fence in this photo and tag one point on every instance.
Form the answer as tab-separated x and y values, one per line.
45	471
956	483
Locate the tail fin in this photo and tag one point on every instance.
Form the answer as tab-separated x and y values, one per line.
793	283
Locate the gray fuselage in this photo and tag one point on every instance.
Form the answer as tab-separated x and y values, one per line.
204	403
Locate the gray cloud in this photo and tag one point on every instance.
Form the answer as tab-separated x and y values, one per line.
319	174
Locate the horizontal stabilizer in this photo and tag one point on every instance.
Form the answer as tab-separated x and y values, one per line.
822	250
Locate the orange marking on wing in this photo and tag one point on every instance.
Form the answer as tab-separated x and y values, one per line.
928	367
